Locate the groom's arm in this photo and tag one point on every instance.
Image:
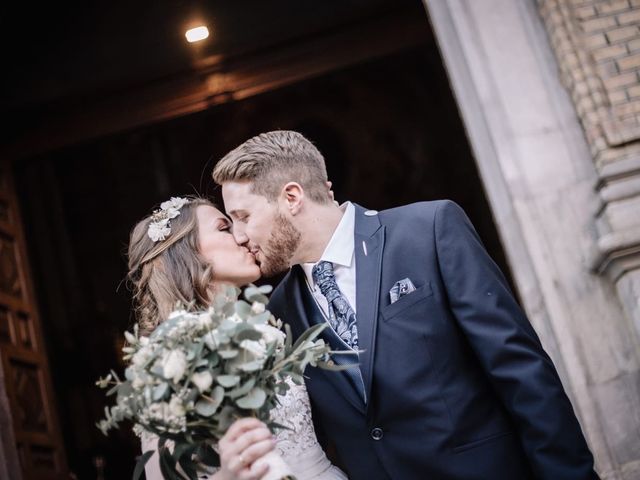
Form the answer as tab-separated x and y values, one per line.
509	351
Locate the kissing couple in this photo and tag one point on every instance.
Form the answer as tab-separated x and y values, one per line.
451	380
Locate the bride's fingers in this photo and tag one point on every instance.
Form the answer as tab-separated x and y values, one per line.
255	472
250	438
240	426
232	451
257	450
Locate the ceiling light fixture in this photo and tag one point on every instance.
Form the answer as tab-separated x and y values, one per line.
197	34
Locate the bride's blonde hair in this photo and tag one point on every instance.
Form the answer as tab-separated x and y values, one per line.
168	272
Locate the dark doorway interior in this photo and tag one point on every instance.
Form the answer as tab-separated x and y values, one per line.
391	135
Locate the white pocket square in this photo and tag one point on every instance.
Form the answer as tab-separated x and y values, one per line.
400	289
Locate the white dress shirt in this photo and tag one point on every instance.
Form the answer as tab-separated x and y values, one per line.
341	252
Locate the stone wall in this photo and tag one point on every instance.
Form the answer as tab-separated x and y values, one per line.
561	168
597	46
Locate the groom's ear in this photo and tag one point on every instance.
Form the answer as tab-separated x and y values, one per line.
293	195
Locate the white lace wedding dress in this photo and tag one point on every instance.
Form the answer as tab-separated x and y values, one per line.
298	447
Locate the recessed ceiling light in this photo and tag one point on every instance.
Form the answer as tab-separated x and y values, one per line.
197	34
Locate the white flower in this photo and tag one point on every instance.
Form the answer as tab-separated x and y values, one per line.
211	341
204	321
174	365
258	307
174	203
271	334
141	357
176	407
176	313
160	227
138	383
202	380
158	231
256	348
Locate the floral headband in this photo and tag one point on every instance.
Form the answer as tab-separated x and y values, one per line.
160	226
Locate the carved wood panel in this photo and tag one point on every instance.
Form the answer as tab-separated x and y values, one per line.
24	361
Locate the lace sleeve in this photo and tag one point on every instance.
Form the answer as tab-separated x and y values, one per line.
294	412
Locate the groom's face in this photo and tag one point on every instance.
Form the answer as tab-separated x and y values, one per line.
262	227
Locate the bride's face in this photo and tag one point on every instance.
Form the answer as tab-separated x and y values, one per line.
231	262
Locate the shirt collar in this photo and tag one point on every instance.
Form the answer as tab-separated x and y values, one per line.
340	248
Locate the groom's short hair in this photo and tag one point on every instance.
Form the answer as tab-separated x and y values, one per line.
271	160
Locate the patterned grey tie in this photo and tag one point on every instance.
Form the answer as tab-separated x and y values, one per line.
342	318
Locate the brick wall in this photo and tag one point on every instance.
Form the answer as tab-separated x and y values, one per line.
597	43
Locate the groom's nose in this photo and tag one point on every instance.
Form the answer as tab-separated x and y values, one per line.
239	236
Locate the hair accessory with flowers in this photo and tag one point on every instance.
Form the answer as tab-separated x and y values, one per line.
160	226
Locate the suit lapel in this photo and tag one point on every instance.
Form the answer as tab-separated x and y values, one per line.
369	245
302	312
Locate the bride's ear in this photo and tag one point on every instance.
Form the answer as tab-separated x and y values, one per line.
293	195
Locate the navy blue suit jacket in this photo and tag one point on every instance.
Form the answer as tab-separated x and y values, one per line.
457	382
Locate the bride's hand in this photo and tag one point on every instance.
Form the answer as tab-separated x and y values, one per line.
246	440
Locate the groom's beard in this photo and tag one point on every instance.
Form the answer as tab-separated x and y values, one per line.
280	247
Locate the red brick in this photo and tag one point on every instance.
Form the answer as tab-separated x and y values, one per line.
618	81
623	33
612	6
608	53
598	24
585	12
630	18
596	40
629	63
618	97
634	92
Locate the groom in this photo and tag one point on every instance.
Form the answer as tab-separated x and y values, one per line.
452	380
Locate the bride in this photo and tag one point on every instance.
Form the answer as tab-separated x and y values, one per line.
181	254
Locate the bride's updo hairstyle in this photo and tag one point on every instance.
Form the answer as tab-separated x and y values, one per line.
168	271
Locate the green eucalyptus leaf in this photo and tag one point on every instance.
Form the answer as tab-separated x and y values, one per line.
213	360
243	309
159	391
228	380
288	343
250	292
253	400
247	333
207	455
310	334
168	464
242	390
251	366
207	406
228	353
191	395
142	461
260	318
188	466
226	417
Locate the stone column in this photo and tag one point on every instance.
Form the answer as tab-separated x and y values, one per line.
540	176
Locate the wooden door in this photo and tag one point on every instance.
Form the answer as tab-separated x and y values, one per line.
26	378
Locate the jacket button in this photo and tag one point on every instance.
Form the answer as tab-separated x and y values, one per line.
377	433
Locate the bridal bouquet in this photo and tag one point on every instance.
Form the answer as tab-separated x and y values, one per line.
200	371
